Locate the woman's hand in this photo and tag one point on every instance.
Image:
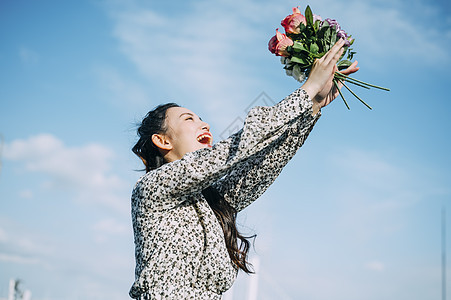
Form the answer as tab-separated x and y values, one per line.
329	93
319	86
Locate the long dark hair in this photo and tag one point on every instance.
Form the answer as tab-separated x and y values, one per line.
153	123
145	149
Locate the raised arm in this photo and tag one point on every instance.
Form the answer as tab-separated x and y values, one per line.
249	179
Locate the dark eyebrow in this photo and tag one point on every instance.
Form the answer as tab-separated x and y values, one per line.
187	113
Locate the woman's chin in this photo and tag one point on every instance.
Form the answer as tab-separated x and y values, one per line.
205	146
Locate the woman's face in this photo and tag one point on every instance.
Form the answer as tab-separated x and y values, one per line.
186	132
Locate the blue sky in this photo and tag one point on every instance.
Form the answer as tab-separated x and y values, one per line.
356	213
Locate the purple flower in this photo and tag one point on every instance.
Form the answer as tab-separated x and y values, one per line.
333	23
343	35
316	18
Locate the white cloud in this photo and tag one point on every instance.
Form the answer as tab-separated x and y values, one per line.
375	266
390	32
31	245
124	92
369	168
28	56
111	226
106	228
372	188
209	53
85	170
201	53
24	246
3	235
26	194
386	178
18	259
206	51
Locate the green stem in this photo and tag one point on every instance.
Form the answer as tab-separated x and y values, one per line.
365	83
350	81
354	94
342	97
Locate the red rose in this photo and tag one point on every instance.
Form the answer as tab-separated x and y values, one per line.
278	44
291	23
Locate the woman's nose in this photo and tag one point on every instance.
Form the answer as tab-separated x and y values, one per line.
205	126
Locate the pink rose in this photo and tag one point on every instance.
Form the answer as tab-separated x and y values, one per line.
278	44
291	23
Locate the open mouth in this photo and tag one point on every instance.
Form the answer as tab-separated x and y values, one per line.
205	139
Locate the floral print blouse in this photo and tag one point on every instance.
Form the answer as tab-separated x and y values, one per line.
180	249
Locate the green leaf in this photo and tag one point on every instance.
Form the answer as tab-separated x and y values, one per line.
343	64
302	27
309	16
333	37
322	31
324	46
300	60
327	35
316	25
314	48
297	46
345	48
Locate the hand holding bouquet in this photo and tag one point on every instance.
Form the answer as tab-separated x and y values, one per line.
308	38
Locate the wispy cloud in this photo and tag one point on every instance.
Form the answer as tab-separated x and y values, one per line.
123	92
28	56
369	168
399	32
19	246
375	266
13	258
208	53
199	53
3	235
26	194
107	228
83	170
111	226
373	187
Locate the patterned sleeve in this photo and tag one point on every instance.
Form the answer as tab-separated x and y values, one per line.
251	177
265	129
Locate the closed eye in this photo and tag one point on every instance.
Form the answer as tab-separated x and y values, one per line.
188	116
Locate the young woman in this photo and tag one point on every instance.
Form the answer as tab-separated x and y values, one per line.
184	207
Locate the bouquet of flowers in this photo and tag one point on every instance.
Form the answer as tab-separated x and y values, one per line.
307	37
